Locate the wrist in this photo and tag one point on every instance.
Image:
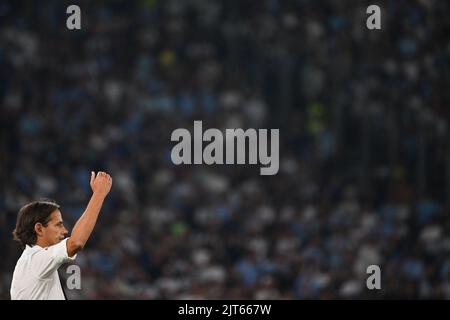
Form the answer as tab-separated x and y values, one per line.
98	195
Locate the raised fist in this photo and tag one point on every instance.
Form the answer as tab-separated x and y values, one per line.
101	184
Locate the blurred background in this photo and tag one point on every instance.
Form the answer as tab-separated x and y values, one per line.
364	144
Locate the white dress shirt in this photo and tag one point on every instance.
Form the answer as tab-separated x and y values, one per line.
36	274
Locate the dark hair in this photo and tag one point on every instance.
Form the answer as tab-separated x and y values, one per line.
28	216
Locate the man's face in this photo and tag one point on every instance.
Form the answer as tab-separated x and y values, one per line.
55	231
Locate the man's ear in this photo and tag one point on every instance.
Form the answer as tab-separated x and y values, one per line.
38	228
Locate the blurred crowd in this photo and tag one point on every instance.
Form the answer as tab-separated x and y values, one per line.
364	151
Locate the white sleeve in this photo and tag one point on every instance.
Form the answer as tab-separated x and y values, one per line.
44	262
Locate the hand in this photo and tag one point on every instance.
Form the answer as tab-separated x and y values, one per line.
101	184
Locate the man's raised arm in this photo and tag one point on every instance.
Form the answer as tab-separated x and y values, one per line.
100	185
